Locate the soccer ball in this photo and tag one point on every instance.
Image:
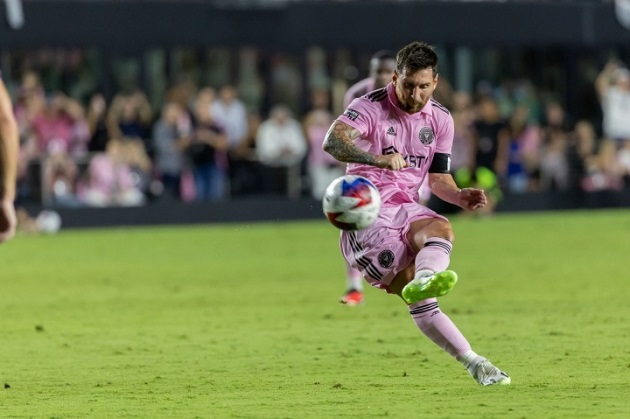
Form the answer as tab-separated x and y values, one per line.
351	202
48	221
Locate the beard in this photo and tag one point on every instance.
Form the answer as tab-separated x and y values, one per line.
412	107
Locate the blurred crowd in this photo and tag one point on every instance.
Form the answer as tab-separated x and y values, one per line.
509	140
202	144
205	144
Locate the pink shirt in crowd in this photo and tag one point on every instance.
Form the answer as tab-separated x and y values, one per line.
386	129
54	132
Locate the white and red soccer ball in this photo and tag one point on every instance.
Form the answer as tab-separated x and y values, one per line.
351	203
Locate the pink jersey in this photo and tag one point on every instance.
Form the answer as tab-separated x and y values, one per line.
386	129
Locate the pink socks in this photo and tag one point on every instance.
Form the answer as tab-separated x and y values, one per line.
438	327
435	255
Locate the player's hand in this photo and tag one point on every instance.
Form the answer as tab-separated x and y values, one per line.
8	220
391	161
472	199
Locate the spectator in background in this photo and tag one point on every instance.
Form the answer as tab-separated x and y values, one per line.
581	154
554	166
322	167
61	174
613	88
134	155
208	139
523	159
130	116
231	113
170	138
606	172
281	145
249	173
9	145
61	134
97	123
490	137
490	151
30	102
61	125
110	180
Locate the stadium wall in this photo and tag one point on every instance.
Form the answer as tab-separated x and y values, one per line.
262	209
137	25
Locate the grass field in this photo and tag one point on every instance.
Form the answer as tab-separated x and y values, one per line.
241	321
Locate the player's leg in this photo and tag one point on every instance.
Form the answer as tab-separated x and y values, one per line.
428	317
438	327
354	287
431	240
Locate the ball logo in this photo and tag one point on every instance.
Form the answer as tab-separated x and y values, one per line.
426	135
386	258
359	189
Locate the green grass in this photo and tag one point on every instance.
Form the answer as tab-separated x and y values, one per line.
241	321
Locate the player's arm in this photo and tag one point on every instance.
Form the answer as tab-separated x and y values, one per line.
444	187
9	147
339	143
602	82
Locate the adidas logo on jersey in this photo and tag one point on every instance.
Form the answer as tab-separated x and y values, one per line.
391	131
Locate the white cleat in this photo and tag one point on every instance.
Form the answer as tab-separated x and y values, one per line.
487	374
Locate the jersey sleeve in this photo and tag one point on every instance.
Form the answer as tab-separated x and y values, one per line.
360	114
444	136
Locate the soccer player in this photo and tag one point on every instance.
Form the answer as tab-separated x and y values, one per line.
382	66
9	146
381	70
396	136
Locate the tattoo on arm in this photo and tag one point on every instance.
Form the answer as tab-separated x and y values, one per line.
338	143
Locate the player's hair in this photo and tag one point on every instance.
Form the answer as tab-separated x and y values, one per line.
383	54
416	56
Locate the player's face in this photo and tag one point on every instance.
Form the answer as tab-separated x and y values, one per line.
414	90
382	71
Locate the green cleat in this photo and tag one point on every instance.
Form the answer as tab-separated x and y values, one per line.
436	285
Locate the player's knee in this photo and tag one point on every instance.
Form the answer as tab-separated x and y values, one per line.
442	229
438	228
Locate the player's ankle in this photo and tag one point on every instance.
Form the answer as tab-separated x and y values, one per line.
423	273
469	359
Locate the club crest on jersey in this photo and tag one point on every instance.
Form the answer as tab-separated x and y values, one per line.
426	135
386	258
351	114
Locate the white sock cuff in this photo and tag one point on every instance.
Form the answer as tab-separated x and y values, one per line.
467	358
423	272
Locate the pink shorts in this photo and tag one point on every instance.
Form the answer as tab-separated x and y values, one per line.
382	250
